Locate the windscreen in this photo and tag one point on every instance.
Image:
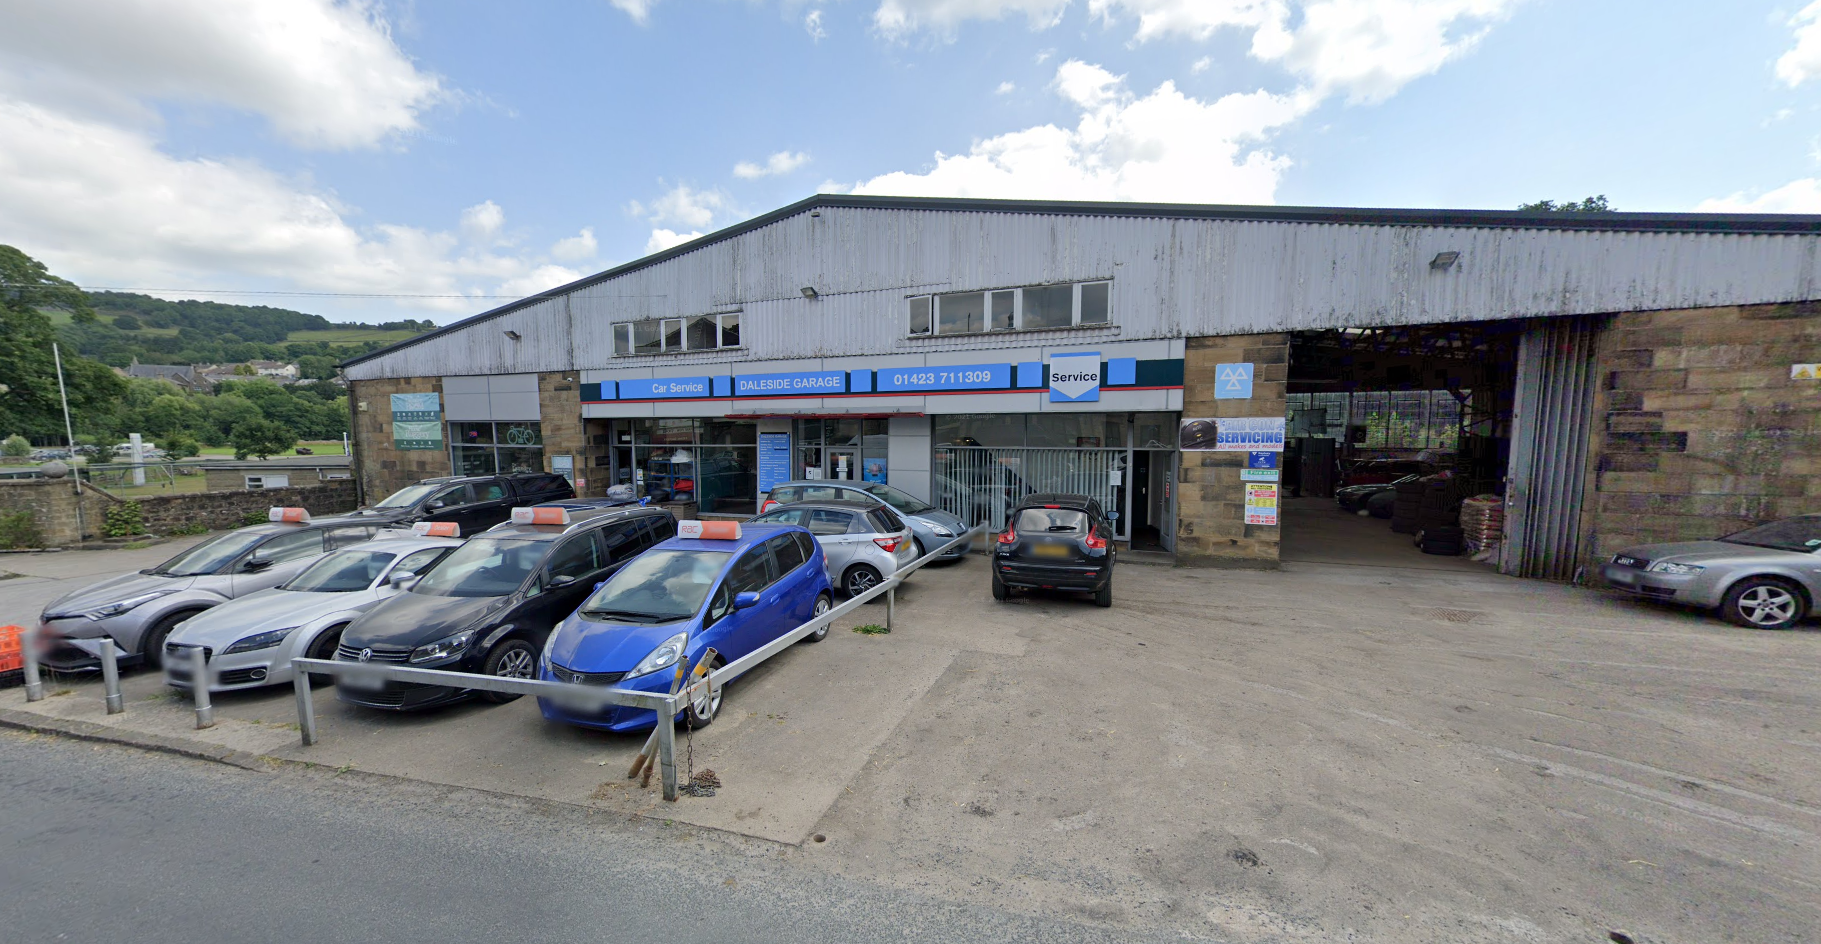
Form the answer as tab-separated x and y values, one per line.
483	567
1790	534
406	497
209	556
1052	521
899	500
341	572
658	587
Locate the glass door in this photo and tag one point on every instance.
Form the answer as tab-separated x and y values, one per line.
843	463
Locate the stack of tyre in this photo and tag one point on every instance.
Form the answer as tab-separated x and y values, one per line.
1438	517
1407	506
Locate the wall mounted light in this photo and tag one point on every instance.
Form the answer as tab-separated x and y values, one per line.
809	292
514	335
1443	260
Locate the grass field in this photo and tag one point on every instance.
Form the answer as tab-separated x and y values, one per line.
351	335
321	447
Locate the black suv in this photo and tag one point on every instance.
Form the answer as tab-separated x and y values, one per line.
1056	542
474	502
489	606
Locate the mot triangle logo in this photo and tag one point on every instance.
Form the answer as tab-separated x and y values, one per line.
1233	381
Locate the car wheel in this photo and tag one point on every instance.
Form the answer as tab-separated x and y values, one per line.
1001	592
1764	603
921	550
859	579
512	658
324	648
1104	596
152	646
702	711
822	606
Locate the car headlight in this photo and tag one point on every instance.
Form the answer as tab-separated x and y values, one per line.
115	609
939	529
1671	567
664	656
259	641
445	648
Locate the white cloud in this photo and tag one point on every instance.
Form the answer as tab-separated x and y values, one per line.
1006	88
483	221
662	239
576	248
95	201
1201	65
639	10
898	18
1803	61
1165	146
325	74
812	24
1797	196
538	279
782	162
682	204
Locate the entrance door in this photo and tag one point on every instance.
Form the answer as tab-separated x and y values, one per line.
843	464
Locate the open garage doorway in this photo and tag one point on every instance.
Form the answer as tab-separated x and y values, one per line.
1398	442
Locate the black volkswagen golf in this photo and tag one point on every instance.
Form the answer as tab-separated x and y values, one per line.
1055	542
489	605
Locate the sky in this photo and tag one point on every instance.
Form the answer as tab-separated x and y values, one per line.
372	161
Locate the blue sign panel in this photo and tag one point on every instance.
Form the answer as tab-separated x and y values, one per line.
665	388
947	377
789	385
774	460
1261	460
1232	381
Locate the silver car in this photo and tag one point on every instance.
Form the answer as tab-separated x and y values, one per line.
931	527
862	542
250	641
140	609
1765	577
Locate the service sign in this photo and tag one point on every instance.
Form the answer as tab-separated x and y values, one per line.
1075	378
1261	504
1250	434
808	383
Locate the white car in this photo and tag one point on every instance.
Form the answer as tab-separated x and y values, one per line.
250	641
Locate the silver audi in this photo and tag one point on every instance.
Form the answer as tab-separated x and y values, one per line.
1765	577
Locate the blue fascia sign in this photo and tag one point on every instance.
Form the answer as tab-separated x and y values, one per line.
790	385
946	377
666	388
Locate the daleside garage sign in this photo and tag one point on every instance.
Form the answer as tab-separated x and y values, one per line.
1068	378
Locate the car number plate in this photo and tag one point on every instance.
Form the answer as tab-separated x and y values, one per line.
1052	550
362	682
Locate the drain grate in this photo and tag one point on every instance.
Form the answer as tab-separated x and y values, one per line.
1454	616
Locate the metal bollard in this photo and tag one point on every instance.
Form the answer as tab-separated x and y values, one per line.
28	645
199	684
891	604
306	708
667	750
110	677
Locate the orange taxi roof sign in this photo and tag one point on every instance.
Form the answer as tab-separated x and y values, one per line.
709	530
437	529
540	514
287	515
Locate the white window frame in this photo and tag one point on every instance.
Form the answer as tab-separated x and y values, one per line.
624	331
260	482
935	306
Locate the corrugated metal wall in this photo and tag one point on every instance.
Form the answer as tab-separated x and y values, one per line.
1172	278
1552	412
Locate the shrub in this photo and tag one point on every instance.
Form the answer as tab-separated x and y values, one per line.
253	517
16	446
194	527
19	529
181	447
125	519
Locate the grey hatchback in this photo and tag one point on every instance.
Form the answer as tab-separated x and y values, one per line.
1765	577
931	527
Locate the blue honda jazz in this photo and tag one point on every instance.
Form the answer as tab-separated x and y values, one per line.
735	589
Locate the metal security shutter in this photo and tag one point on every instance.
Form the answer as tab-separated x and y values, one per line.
1549	436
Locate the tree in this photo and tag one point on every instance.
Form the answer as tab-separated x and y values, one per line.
262	438
180	447
31	405
1595	204
16	446
126	323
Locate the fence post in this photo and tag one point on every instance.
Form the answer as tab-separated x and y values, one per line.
110	677
306	706
199	684
667	749
28	647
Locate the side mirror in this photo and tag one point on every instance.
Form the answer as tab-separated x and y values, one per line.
402	579
256	564
434	506
561	580
744	599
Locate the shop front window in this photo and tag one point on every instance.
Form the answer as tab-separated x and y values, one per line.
711	462
489	448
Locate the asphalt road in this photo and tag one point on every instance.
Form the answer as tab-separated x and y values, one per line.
105	843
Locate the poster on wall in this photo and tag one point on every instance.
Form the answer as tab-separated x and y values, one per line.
1261	504
774	460
417	421
873	470
1232	434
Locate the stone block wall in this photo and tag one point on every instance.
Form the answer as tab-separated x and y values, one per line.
224	510
380	468
1211	502
52	504
560	407
1698	428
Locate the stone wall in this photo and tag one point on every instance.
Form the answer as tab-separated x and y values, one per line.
380	468
222	510
1699	428
52	506
560	406
1211	502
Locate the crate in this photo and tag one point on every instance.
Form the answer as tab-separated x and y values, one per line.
12	652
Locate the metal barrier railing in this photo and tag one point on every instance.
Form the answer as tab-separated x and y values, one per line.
593	697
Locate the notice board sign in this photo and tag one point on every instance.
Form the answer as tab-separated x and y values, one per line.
1233	434
417	421
1261	504
774	460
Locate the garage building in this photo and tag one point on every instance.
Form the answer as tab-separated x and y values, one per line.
1610	378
